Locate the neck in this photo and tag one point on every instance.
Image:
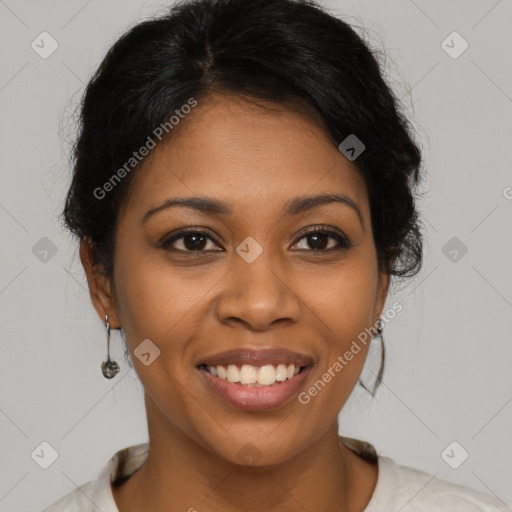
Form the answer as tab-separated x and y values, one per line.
182	474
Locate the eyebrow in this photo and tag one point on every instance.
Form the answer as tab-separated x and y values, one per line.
294	206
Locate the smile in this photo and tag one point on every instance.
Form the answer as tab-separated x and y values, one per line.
255	380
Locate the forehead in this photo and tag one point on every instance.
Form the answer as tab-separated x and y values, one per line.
244	154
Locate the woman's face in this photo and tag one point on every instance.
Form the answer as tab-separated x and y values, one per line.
255	282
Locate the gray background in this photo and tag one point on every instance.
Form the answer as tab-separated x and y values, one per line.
449	351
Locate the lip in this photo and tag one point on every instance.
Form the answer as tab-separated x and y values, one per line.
260	357
256	398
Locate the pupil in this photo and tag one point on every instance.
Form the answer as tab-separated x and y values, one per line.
199	242
316	243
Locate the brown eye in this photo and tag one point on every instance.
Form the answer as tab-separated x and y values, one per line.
318	240
190	240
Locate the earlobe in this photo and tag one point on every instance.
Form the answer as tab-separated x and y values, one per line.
100	287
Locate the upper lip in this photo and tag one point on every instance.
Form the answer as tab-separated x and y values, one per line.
257	357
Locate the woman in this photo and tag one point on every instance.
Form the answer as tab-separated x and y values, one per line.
243	193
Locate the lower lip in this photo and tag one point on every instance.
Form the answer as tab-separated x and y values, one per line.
256	398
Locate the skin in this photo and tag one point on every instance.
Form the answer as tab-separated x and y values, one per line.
192	304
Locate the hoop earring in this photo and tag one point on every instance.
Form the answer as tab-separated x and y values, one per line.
109	368
379	327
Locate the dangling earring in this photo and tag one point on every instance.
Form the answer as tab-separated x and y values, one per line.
108	367
379	326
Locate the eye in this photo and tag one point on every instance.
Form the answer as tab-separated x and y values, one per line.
190	240
196	240
318	239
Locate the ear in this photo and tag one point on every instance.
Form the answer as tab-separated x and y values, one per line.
382	292
100	287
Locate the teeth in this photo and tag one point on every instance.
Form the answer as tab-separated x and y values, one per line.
267	375
254	376
281	372
248	374
233	373
221	371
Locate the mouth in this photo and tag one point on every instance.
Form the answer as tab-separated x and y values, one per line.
256	380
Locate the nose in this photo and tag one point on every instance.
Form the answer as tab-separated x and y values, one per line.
258	294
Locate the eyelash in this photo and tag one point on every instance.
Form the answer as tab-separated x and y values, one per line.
344	242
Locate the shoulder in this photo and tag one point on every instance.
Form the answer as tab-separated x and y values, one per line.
417	490
78	500
97	494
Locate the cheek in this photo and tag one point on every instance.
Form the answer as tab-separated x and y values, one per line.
344	306
152	296
152	307
345	301
162	304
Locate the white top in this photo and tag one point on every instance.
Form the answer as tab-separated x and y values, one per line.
399	488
